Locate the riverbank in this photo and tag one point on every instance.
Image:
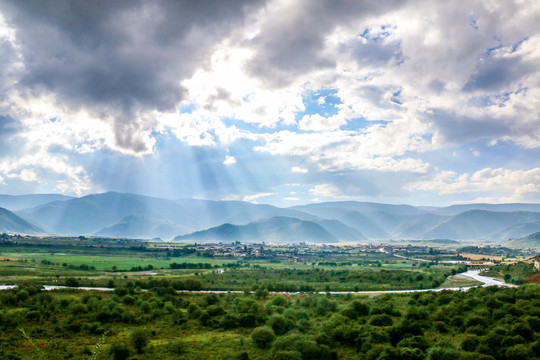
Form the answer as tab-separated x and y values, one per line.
470	274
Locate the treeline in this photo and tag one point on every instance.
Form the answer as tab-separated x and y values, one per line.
320	279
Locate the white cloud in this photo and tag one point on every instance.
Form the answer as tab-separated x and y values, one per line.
316	122
250	198
229	160
28	175
45	169
326	190
299	170
507	185
375	149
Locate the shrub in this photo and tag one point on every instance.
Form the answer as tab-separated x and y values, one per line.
287	355
381	320
119	351
139	339
177	346
72	282
263	336
279	324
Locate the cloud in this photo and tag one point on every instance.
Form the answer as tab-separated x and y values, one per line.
28	175
326	190
229	160
316	122
378	148
290	40
118	60
299	170
42	171
356	92
509	185
251	198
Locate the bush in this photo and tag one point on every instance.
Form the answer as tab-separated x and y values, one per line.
139	339
72	282
177	346
381	320
470	343
263	336
360	308
279	324
286	355
119	351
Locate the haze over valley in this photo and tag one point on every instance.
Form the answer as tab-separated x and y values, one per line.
121	215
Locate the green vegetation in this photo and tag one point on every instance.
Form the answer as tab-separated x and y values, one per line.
147	317
516	273
483	323
529	241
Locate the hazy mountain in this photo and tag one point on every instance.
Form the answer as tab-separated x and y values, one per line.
326	209
128	215
89	214
341	231
414	227
273	230
517	231
9	222
19	202
109	213
457	209
363	224
479	224
141	226
529	241
237	212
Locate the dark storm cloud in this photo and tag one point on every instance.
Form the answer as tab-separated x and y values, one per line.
462	129
116	57
291	43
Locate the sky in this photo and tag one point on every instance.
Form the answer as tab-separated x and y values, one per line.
280	101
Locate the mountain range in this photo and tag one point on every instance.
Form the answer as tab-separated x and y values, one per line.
121	215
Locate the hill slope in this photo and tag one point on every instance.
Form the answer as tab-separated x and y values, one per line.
20	202
141	226
529	241
273	230
9	222
479	224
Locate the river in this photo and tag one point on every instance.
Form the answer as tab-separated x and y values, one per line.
473	274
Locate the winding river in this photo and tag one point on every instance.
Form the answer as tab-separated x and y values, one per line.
473	274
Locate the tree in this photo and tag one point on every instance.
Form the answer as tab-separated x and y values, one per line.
72	282
119	351
139	339
263	336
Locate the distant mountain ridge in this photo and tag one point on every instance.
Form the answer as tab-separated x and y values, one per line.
11	223
273	230
19	202
129	215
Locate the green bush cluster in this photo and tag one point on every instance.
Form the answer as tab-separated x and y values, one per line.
483	323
